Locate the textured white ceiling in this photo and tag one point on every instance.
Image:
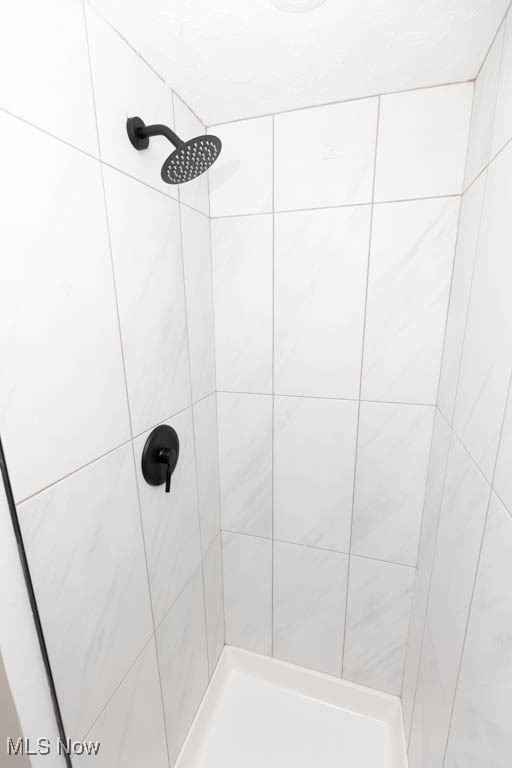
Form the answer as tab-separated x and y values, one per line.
241	58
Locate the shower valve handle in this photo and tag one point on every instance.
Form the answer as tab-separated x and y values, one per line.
167	456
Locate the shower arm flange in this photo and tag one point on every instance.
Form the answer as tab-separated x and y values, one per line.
139	133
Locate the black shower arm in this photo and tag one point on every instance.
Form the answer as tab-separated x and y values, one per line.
147	131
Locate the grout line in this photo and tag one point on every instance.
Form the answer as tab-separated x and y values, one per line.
50	134
450	297
498	30
367	203
464	447
427	599
422	523
99	159
487	166
99	14
101	456
107	222
187	334
150	595
185	586
186	104
477	568
141	522
361	369
91	78
492	110
337	101
73	472
470	295
216	413
154	189
272	448
318	549
116	300
118	686
216	403
335	399
171	416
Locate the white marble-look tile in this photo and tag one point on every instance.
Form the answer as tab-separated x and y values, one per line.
241	179
245	462
461	525
431	511
310	589
314	446
247	562
502	129
432	710
392	464
421	149
321	263
482	116
325	156
171	521
183	657
214	602
378	608
243	294
197	263
44	58
467	240
146	251
84	544
480	733
62	374
503	475
409	281
131	729
207	461
125	86
188	126
487	354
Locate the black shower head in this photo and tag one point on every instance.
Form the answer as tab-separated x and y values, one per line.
190	158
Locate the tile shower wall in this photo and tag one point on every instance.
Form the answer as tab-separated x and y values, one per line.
333	242
106	317
457	691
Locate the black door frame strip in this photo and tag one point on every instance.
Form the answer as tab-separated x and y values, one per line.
33	602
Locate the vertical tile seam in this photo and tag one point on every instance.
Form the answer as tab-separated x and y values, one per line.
273	553
493	40
107	222
427	600
361	373
216	401
475	578
470	296
436	408
141	524
198	515
492	108
216	392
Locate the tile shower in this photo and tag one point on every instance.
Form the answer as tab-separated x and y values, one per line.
331	340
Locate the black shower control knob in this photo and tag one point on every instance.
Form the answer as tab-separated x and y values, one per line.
160	456
168	457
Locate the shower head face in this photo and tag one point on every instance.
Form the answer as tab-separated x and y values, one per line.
191	159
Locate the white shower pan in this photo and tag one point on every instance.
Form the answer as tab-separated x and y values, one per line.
263	713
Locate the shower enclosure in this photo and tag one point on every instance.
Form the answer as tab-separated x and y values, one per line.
323	319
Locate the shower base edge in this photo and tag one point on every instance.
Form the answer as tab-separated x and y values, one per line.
260	712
